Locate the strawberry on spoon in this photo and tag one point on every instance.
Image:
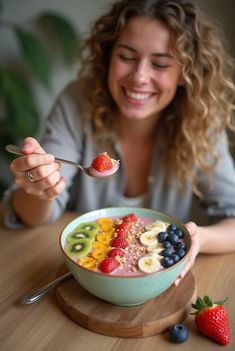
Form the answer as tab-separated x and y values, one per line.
103	166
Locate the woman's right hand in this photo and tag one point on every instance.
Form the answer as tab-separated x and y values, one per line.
37	172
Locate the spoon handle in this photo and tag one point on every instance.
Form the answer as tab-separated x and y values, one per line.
31	298
16	150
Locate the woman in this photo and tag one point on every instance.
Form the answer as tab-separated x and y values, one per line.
153	91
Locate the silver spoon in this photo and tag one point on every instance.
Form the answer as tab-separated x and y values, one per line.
88	170
31	298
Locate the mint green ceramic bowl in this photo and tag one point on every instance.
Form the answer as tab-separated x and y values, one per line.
119	290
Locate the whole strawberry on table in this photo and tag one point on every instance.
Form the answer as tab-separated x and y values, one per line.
212	320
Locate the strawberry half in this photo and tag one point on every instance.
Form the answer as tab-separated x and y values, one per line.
121	233
129	218
108	265
119	242
102	162
212	320
117	252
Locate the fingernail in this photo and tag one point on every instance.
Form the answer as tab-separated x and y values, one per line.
177	282
26	146
51	157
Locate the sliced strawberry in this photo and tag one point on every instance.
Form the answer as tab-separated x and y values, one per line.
102	162
117	252
108	265
129	218
121	233
119	242
124	225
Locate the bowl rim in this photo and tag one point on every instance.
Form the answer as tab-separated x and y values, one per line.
130	210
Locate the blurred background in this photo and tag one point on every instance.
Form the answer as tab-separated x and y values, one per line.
39	45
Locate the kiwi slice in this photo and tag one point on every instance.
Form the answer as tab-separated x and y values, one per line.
80	234
91	227
79	248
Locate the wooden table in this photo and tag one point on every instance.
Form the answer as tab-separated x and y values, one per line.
29	259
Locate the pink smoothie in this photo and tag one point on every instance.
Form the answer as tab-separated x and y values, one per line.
128	264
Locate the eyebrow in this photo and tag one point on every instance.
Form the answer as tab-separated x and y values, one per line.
157	54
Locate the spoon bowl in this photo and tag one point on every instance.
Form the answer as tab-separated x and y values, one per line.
92	172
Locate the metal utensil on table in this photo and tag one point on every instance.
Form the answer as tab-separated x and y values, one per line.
16	150
35	296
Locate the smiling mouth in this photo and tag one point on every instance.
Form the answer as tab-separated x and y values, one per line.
139	96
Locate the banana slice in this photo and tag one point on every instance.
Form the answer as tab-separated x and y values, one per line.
157	225
155	254
149	238
154	249
149	263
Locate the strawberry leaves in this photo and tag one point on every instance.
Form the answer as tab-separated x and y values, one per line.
205	302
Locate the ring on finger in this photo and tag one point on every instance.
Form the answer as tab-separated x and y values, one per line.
30	177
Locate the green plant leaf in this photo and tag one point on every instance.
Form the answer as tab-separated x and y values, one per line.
34	54
64	32
21	116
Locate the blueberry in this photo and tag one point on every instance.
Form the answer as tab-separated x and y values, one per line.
172	227
179	233
173	238
180	253
178	333
181	245
175	257
162	236
167	261
166	252
167	245
170	232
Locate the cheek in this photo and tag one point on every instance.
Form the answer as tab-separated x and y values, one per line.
168	83
117	70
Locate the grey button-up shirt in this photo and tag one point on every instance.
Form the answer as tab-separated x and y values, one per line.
66	138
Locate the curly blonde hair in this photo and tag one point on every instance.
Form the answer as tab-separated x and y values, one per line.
200	110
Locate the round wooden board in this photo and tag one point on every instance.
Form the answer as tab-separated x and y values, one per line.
151	318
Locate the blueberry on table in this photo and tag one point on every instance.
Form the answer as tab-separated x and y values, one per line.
178	333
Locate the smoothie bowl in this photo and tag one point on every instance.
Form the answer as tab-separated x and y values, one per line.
125	255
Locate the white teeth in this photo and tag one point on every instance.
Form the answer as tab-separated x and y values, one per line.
137	96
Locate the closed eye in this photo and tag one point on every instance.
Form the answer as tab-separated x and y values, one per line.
160	66
126	58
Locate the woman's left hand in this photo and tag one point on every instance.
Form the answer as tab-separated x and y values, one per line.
193	230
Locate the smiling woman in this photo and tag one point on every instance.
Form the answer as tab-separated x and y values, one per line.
143	74
154	90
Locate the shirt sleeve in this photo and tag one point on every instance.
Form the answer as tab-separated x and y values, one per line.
219	190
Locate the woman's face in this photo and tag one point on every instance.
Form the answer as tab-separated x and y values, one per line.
143	75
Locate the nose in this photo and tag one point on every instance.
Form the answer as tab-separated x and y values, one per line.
140	74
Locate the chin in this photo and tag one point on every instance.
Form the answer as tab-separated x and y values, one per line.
135	115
